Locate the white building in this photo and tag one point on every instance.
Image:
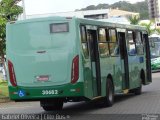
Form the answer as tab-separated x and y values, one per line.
111	15
92	14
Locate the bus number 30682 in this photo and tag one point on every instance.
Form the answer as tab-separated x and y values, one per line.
49	92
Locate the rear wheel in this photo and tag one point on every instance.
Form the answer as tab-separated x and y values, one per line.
52	104
109	99
138	90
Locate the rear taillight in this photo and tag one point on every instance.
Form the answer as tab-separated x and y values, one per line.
75	70
12	74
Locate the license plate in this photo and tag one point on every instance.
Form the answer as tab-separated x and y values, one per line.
49	92
43	78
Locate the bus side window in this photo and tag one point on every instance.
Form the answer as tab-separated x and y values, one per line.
90	40
84	42
139	43
113	44
102	43
131	43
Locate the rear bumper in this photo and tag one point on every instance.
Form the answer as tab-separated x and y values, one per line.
20	93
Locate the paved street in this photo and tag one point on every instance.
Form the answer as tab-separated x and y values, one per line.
148	102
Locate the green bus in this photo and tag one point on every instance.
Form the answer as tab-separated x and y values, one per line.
66	59
155	52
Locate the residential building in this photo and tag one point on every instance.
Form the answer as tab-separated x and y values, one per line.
154	9
121	13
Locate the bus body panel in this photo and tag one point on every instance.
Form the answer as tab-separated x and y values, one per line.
135	69
112	66
37	52
38	93
42	60
88	83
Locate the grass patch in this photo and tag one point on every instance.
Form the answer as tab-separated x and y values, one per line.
3	89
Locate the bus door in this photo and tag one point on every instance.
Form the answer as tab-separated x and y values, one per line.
148	59
94	56
135	57
124	59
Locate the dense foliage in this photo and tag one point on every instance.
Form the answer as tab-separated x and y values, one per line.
140	7
9	11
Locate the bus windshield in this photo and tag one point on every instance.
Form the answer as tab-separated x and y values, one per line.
155	47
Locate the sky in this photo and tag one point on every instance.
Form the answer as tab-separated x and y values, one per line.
53	6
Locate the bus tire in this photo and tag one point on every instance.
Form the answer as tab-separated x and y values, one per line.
50	105
138	90
109	99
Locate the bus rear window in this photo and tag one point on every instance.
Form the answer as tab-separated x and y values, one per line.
59	27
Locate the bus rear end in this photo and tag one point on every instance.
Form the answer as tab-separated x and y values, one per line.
43	61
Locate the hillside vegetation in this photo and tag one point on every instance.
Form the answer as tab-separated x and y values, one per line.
140	7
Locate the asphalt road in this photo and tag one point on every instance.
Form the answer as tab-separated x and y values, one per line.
148	103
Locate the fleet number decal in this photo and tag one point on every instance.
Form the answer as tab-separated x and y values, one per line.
49	92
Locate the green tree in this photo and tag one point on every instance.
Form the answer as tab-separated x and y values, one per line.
158	30
148	26
139	7
9	11
134	20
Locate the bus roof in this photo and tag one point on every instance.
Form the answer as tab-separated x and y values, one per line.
111	24
83	21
